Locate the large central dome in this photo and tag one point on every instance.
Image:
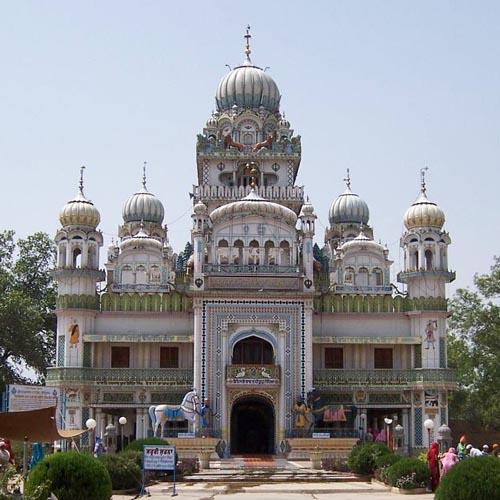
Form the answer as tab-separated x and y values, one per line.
248	86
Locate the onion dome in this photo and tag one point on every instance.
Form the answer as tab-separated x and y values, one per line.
212	122
253	204
423	212
349	207
307	210
200	208
143	206
80	211
141	240
283	122
361	242
247	86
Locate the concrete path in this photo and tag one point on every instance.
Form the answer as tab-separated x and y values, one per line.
275	491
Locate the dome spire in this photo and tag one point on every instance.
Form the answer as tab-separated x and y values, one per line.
422	179
248	50
347	179
82	168
144	176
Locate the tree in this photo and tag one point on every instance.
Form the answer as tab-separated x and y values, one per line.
183	257
27	302
474	350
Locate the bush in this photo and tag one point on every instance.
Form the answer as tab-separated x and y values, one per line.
124	472
70	476
132	455
336	464
382	464
408	473
138	444
477	478
362	457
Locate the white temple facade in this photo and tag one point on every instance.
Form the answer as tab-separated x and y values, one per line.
260	321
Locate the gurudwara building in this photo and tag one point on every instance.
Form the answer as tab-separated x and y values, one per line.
279	337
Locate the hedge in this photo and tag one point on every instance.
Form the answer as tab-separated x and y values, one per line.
362	457
70	476
123	469
138	444
408	473
477	478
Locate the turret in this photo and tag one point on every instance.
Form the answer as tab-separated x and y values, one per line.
77	273
307	224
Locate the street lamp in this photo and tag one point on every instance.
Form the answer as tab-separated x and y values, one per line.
399	435
362	419
429	425
388	422
122	421
91	425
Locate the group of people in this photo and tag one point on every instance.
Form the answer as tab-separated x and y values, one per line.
441	463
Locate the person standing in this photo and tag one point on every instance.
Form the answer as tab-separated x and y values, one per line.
433	465
448	460
461	451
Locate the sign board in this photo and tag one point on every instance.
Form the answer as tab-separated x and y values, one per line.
31	397
186	435
159	457
321	435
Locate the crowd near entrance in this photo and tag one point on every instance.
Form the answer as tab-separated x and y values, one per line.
252	426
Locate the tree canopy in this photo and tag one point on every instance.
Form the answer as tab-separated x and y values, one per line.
27	302
474	350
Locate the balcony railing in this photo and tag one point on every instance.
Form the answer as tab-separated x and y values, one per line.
249	269
123	376
403	276
245	375
378	289
386	377
233	193
141	287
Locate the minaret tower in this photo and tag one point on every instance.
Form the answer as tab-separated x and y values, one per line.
426	273
307	222
77	273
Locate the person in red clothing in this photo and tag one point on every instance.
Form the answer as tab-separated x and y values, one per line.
433	464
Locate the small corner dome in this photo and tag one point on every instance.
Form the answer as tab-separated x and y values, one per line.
141	240
349	208
307	209
80	212
283	122
247	86
200	208
143	206
424	213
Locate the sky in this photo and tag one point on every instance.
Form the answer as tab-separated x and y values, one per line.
383	88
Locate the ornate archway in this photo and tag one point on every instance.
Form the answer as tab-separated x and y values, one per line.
252	425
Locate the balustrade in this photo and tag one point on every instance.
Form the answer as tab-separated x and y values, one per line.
250	269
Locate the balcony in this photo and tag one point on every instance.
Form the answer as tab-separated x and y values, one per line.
252	375
332	378
404	276
164	377
141	287
364	290
231	269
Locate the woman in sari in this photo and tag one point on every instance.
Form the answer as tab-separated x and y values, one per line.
433	465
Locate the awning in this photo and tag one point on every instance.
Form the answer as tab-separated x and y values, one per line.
367	340
34	425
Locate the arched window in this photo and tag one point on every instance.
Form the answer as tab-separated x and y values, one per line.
237	255
61	257
141	276
254	253
270	255
285	253
155	274
349	276
223	252
254	351
415	260
77	258
377	277
428	260
127	275
362	278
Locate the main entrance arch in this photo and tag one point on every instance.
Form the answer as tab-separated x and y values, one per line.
252	426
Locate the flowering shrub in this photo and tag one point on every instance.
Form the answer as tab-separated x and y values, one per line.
188	466
409	482
335	464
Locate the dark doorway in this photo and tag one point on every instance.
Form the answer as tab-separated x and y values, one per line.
252	426
252	350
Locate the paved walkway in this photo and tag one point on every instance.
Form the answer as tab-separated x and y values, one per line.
275	491
271	478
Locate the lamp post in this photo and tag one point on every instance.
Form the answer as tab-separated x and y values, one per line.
91	425
388	422
122	421
429	425
362	419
